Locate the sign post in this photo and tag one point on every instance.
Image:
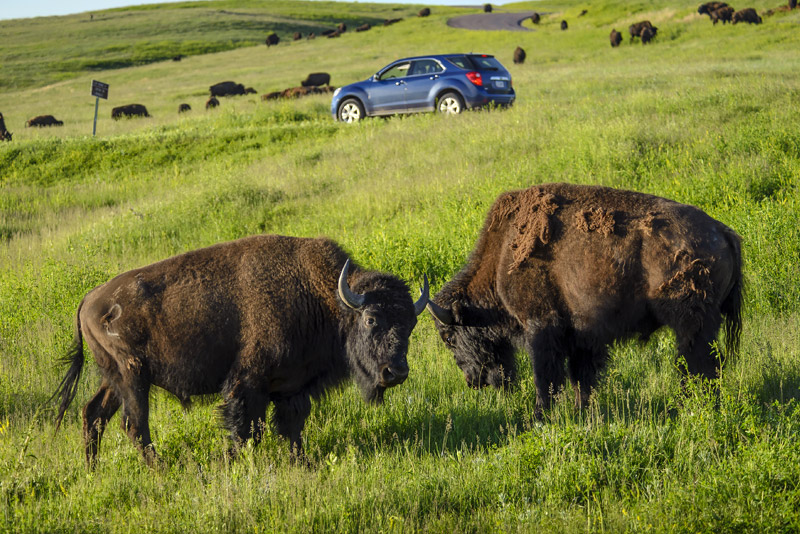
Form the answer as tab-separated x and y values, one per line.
99	90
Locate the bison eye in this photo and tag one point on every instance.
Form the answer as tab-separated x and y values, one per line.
369	320
449	339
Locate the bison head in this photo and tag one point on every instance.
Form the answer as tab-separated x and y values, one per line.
381	318
478	338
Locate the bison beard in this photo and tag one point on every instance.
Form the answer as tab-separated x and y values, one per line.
562	271
260	320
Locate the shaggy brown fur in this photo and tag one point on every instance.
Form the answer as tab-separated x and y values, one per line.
5	135
636	29
747	15
519	55
724	14
562	271
615	37
226	89
43	121
259	320
710	7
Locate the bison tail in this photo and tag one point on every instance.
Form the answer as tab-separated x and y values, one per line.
68	387
732	305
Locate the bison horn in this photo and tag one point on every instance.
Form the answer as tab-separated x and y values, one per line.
443	315
419	306
353	300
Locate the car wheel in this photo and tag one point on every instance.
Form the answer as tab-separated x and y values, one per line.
351	110
450	103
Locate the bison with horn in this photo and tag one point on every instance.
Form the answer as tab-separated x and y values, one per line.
264	319
561	271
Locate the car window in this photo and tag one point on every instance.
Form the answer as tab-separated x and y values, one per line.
461	62
399	70
486	62
424	66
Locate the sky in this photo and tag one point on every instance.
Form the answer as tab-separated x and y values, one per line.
15	9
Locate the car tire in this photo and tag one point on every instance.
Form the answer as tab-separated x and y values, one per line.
450	103
351	110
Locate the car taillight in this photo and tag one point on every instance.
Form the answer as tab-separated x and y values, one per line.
475	78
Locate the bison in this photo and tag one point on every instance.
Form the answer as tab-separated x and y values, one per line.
264	319
212	102
226	89
710	7
564	25
272	96
43	121
636	29
747	15
389	22
183	108
5	135
250	91
315	79
536	18
364	27
562	271
341	28
272	39
424	12
297	36
724	14
615	37
129	110
519	55
487	8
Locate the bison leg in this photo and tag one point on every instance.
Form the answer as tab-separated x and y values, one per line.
695	346
135	414
289	418
546	349
96	414
583	366
244	412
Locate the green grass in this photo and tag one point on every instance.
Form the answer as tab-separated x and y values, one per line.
704	115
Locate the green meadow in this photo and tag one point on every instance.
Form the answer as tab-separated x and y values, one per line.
706	115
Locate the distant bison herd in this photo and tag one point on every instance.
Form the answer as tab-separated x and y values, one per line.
559	271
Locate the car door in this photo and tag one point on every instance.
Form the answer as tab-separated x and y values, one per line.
423	75
386	93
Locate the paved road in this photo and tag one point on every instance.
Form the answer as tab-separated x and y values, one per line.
492	21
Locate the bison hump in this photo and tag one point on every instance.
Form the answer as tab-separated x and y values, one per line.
530	212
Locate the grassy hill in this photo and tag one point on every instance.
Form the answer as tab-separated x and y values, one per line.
705	115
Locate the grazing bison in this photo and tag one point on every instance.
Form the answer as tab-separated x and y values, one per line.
615	37
130	110
364	27
226	89
710	7
5	135
177	58
212	102
583	12
326	33
334	35
43	120
272	96
424	12
724	14
564	25
264	319
487	8
250	91
183	108
636	29
563	270
315	79
519	55
341	28
272	39
297	36
536	18
747	15
389	22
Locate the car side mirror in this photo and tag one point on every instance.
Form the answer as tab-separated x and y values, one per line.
374	77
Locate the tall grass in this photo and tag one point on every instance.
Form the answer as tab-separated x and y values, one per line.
704	115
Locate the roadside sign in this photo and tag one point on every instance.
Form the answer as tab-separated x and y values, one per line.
100	89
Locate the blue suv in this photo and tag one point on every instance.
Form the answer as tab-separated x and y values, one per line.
446	83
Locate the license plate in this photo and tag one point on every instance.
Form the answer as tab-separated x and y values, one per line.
500	84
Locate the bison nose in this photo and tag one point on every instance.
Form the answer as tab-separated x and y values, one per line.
392	375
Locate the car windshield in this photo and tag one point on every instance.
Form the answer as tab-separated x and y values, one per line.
475	62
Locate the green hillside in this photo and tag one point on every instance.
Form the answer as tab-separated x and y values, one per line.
705	115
